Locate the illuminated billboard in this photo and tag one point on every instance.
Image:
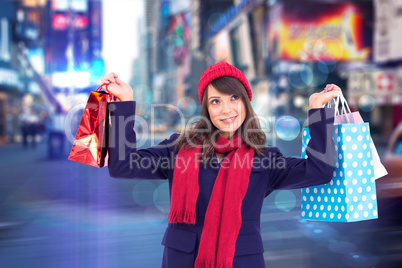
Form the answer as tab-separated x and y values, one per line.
319	31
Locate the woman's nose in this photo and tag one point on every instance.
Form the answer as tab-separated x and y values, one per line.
226	107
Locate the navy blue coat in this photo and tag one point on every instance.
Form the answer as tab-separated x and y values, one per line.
270	172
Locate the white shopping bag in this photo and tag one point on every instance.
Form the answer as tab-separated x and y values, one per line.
347	117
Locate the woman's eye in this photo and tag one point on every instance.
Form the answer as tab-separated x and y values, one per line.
235	97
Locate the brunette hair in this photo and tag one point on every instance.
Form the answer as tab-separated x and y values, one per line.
199	131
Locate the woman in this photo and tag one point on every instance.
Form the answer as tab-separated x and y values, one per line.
219	171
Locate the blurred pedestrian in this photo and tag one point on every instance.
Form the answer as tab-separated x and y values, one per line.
220	170
56	138
29	122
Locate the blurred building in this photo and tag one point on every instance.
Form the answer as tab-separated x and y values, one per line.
50	54
21	26
169	57
73	47
377	90
351	44
10	84
314	43
233	31
287	49
181	44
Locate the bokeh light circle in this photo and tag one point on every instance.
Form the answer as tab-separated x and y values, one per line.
219	53
285	200
323	67
327	66
300	76
299	101
161	198
318	50
312	47
287	128
360	259
166	44
143	193
319	79
187	106
318	231
366	103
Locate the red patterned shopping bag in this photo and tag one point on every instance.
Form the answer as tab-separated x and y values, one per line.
90	143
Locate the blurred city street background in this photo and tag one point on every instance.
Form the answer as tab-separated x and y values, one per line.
60	213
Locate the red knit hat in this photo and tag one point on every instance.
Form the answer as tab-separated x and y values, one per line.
218	70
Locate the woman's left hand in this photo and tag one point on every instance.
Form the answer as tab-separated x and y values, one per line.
317	100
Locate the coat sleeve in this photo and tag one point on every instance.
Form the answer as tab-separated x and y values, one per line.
292	172
125	161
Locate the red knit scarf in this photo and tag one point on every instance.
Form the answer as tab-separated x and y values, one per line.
223	217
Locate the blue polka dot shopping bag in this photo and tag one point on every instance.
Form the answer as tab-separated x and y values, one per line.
351	194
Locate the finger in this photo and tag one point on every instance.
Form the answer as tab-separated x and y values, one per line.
119	81
329	96
337	88
326	89
114	74
111	78
108	78
112	88
329	87
105	80
105	84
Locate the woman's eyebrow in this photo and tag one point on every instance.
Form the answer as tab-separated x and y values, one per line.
216	97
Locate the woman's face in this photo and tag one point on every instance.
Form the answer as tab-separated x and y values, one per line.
221	107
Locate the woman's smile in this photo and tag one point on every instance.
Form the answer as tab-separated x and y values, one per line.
229	120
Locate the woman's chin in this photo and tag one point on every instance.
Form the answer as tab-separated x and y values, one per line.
228	129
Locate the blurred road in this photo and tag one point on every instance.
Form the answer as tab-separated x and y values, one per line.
64	214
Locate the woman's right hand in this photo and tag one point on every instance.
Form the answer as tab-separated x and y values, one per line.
117	87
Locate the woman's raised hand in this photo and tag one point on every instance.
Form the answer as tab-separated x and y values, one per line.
117	87
317	100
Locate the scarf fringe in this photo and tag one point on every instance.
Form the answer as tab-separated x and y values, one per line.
182	217
211	264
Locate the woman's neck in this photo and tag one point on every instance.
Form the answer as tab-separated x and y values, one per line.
226	135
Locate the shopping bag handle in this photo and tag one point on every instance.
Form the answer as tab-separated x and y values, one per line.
340	98
345	103
106	85
336	103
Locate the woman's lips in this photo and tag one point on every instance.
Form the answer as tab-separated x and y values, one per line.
229	121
